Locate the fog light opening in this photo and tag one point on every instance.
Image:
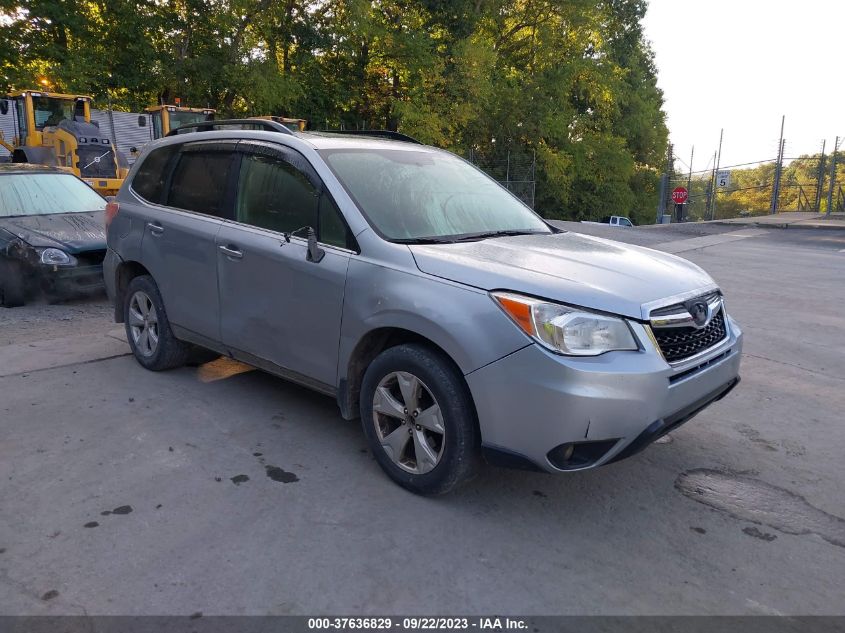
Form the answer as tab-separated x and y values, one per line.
577	455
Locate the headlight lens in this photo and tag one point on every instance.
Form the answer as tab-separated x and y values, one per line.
564	329
56	257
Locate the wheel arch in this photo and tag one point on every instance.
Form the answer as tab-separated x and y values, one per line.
126	271
368	347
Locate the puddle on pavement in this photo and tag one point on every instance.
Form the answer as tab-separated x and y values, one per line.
756	501
221	368
277	474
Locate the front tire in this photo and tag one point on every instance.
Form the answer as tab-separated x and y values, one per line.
419	419
147	328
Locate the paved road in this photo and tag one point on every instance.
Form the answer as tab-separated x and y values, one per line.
251	495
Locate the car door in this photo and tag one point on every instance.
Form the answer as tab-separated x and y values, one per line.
178	245
276	305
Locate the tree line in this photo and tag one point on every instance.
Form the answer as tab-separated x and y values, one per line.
572	82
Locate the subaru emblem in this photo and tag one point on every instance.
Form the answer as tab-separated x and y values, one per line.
700	313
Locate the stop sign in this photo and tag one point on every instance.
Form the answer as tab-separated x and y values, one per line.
680	195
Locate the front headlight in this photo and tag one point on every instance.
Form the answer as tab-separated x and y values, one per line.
56	257
564	329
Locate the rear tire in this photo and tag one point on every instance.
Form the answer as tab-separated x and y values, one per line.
12	288
147	328
419	419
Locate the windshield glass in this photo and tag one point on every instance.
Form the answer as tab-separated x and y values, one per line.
178	119
42	194
409	194
51	111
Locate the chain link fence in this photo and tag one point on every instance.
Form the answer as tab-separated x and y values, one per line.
804	183
514	170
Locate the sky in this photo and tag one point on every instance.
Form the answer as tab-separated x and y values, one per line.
743	64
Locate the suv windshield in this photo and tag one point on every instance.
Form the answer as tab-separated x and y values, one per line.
42	194
418	195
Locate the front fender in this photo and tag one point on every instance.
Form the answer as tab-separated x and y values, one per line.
463	321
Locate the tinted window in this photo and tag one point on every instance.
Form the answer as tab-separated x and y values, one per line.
199	181
273	194
152	174
333	229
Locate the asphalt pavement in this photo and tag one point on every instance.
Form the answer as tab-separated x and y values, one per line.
219	489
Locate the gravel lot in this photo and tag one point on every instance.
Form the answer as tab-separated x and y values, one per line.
41	321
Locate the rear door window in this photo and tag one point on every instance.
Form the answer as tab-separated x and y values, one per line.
200	179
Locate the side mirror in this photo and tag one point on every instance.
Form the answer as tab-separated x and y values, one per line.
4	106
315	253
142	121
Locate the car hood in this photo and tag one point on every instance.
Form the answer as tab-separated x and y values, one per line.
567	267
71	232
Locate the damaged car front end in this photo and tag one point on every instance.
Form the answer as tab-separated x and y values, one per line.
52	234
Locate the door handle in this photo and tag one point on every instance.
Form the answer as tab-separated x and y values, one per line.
155	229
231	251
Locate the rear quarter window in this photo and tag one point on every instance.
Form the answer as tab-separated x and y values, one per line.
151	177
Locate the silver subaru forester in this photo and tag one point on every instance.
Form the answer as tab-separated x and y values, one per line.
423	296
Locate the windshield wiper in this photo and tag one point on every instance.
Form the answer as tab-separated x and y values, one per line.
466	237
424	240
472	237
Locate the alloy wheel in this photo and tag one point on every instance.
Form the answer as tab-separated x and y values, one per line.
408	422
143	323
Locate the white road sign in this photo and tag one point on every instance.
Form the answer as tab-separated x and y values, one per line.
723	179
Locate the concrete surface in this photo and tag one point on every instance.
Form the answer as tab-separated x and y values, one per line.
793	219
649	535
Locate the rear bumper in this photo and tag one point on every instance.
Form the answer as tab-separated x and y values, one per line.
532	405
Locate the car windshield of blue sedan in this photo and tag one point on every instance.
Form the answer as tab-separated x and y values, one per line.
43	194
410	195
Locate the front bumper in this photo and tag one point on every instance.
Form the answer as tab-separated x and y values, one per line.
532	404
72	280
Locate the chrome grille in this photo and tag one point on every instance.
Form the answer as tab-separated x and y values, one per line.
680	343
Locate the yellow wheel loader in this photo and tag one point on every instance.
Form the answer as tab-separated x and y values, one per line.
56	129
294	125
169	117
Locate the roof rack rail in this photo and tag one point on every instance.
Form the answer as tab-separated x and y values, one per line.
231	124
388	134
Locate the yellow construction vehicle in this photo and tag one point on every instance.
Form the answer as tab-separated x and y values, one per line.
56	129
166	118
294	125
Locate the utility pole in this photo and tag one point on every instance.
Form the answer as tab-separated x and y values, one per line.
710	188
661	202
778	166
689	178
832	178
716	166
664	186
820	183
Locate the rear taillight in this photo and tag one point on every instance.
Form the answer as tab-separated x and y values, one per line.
111	210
